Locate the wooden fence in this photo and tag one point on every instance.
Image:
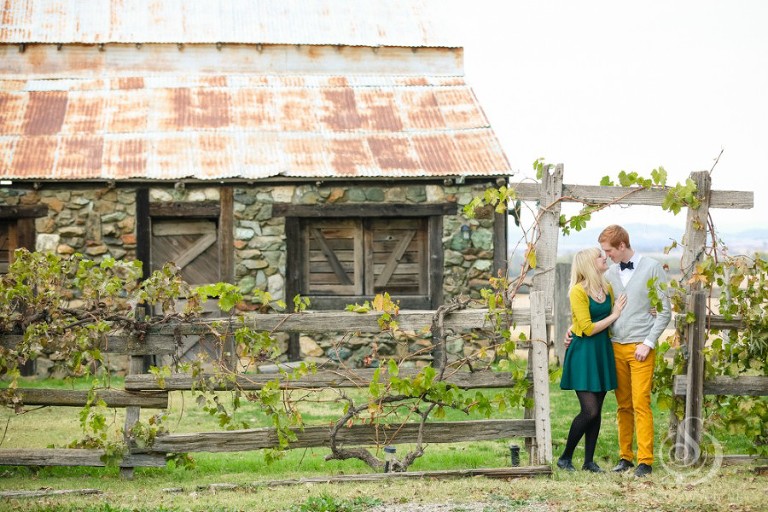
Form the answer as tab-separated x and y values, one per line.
693	386
544	313
143	390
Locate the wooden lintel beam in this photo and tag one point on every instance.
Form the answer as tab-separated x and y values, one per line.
23	211
363	210
193	209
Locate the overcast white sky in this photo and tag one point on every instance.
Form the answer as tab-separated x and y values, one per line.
605	86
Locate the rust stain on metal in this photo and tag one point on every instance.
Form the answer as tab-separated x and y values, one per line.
297	109
125	158
80	157
212	108
84	114
196	108
437	154
45	112
12	109
339	111
214	81
419	80
133	82
480	151
392	153
214	154
128	112
305	154
378	110
348	156
459	108
252	108
338	81
422	110
173	156
7	148
34	157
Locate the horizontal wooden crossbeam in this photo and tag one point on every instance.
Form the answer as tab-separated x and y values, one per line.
74	457
319	380
744	386
78	398
595	194
374	435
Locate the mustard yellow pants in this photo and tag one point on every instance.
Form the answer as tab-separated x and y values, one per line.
633	396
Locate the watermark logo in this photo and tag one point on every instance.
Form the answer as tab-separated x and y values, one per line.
687	461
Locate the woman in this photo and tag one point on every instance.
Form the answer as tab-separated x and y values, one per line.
589	367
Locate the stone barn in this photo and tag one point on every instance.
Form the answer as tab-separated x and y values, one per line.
317	148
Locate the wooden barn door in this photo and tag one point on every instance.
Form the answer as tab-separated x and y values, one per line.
190	244
198	238
8	244
334	259
358	258
396	251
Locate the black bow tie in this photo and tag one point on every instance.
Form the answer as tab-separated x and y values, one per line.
629	265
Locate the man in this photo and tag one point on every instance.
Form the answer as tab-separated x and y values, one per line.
634	336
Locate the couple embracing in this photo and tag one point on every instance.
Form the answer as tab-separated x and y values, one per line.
611	345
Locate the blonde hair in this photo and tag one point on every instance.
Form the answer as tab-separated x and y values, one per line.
584	271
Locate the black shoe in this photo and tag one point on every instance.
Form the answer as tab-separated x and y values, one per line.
643	470
622	466
592	467
565	464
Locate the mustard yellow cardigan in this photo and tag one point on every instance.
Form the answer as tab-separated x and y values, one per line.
581	320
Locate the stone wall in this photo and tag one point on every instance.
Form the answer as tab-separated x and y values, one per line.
100	221
96	221
260	239
260	259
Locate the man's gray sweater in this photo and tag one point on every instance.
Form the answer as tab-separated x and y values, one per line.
636	323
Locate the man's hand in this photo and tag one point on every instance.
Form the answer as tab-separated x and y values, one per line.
642	351
568	338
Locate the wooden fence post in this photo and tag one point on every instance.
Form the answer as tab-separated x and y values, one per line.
562	309
132	413
694	241
693	423
548	224
540	367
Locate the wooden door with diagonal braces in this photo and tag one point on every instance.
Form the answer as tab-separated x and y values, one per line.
192	245
362	257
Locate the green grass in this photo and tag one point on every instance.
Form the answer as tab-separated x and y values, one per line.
732	488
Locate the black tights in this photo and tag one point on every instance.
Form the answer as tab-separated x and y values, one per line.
587	424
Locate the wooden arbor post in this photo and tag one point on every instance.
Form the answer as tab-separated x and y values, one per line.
542	300
695	240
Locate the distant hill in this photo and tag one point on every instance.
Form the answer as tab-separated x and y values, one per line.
650	239
653	238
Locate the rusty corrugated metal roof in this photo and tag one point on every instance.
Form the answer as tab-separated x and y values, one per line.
313	22
245	126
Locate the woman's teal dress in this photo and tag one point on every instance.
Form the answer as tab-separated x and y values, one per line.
589	364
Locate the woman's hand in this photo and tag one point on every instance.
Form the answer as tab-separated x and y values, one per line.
618	306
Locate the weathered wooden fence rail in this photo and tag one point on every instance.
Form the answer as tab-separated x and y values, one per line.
693	384
143	390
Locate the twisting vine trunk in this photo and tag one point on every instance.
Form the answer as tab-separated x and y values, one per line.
440	361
